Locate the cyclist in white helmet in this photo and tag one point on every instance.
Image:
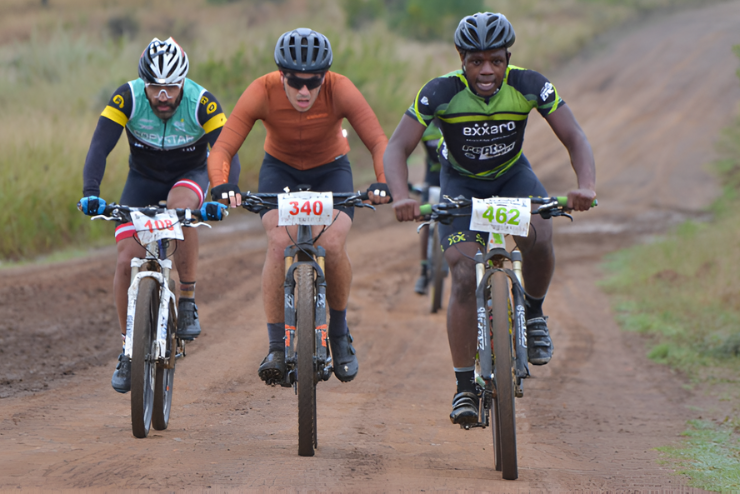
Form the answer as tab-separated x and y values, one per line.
170	121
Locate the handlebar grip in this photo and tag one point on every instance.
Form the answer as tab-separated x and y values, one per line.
425	209
563	201
364	196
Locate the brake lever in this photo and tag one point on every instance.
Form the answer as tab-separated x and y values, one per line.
103	217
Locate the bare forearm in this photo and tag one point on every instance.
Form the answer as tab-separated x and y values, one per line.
396	171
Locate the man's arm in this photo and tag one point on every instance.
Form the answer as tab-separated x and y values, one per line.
403	142
564	124
108	131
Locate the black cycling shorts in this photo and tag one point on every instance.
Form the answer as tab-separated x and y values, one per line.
518	181
331	177
141	191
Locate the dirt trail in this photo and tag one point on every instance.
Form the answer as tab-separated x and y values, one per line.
651	105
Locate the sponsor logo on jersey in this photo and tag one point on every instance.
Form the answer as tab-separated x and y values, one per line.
547	90
204	100
180	125
118	99
488	152
211	107
156	139
425	101
489	130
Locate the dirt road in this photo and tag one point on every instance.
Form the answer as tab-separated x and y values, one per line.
651	103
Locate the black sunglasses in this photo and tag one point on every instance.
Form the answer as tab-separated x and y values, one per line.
298	83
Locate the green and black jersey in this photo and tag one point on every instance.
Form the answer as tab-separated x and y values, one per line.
483	136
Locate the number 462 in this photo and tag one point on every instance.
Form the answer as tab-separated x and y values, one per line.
501	215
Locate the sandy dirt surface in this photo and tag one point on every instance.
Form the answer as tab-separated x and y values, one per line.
651	102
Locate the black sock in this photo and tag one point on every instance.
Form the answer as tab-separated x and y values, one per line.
276	333
337	323
465	381
533	306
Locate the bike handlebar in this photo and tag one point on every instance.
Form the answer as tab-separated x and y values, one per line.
120	212
550	206
268	200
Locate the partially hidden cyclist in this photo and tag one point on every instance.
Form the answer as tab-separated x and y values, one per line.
170	121
430	140
302	105
483	111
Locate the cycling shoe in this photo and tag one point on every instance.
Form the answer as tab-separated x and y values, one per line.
188	326
272	368
344	358
539	343
464	408
121	380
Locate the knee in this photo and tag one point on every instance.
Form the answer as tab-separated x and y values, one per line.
463	279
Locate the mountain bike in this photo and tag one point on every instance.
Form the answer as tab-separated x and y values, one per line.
437	269
151	317
501	361
307	356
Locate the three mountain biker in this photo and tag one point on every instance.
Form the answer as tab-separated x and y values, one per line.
302	105
483	110
170	121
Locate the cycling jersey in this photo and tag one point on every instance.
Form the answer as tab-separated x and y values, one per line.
162	150
303	140
483	136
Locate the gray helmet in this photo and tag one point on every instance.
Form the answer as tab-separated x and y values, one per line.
303	50
484	31
163	62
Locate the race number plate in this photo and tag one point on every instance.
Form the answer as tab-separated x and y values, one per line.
501	215
153	228
305	208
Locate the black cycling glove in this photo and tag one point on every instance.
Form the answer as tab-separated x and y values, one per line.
218	191
378	189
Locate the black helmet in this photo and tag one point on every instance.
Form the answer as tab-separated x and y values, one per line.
484	31
303	50
163	62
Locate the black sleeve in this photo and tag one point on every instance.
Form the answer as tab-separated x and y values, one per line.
109	129
212	118
537	89
436	92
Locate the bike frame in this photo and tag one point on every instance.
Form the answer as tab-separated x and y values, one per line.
156	256
304	252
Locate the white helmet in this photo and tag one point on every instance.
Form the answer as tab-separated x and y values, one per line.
163	62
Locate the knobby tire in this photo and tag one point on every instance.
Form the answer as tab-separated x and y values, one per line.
437	267
504	374
164	379
306	338
142	367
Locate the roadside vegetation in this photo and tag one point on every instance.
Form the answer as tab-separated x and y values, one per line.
683	293
60	61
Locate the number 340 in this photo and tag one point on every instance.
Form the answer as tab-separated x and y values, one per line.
502	215
317	207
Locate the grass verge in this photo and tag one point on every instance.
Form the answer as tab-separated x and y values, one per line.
681	292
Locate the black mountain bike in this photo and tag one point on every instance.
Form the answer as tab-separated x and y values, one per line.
307	356
501	361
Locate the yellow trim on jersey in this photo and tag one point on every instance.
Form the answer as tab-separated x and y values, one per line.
116	115
479	118
416	108
214	123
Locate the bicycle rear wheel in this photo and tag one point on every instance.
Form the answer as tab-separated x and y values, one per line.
165	378
437	267
306	372
503	376
142	366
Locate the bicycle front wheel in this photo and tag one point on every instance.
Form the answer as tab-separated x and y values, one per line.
142	366
164	379
503	376
437	266
306	372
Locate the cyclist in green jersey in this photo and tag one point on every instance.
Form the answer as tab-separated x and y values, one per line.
430	141
483	112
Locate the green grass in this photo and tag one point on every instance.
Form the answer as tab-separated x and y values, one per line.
709	455
682	293
66	60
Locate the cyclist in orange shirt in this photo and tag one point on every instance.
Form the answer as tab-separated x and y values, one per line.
302	106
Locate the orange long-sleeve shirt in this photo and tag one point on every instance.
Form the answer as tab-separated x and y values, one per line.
303	140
